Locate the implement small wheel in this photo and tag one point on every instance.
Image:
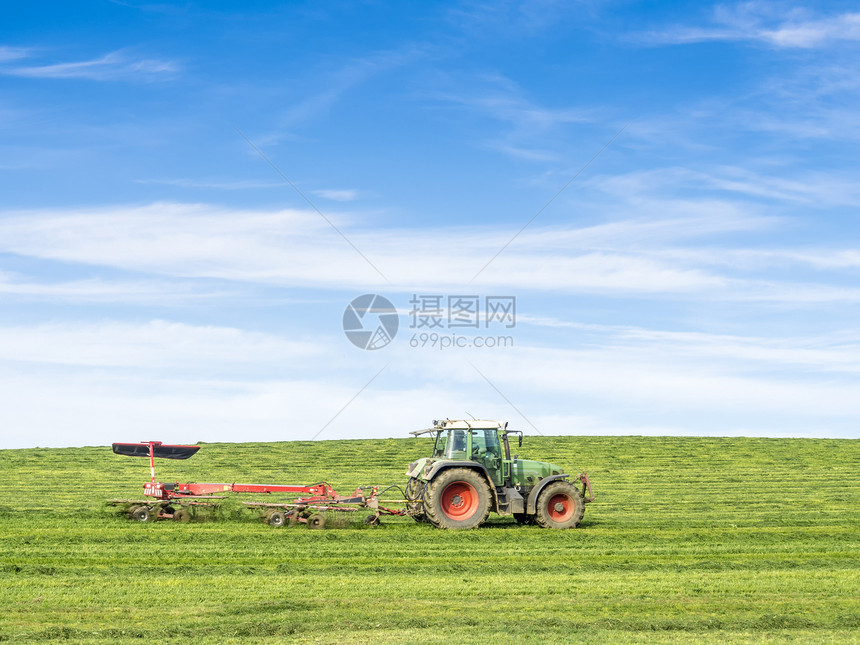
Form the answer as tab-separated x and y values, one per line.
372	520
316	521
560	506
182	515
131	511
276	519
142	514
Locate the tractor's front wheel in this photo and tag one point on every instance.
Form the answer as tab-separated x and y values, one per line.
458	498
415	500
560	506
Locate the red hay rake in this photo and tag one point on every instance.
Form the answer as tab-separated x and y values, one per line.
298	503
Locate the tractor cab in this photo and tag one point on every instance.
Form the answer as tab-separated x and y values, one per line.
473	441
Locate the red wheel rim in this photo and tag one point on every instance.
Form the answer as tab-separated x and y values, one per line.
560	507
459	500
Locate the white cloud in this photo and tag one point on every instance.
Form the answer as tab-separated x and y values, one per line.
14	53
513	20
518	111
89	408
707	384
813	33
499	98
102	290
112	381
297	248
766	23
838	353
523	152
812	187
110	67
338	195
246	184
337	83
292	247
155	344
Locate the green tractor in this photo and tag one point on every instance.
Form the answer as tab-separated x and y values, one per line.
472	473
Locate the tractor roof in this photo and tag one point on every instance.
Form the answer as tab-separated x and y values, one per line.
448	424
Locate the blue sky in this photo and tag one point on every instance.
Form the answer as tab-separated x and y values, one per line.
192	194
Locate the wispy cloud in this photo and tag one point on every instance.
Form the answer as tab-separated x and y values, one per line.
766	23
294	247
246	184
522	152
114	291
787	186
504	100
115	66
336	83
499	98
195	379
153	344
671	380
834	353
14	53
514	18
337	195
644	256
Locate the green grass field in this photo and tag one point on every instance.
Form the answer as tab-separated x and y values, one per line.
689	540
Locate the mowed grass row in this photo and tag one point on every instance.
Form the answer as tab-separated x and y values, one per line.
690	539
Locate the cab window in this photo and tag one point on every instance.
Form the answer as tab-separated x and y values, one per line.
451	445
485	442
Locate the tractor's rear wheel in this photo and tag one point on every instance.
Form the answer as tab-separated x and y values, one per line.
560	506
458	498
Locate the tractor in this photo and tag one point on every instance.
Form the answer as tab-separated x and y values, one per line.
472	473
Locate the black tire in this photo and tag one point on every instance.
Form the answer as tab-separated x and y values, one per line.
131	511
560	506
182	515
371	520
316	522
142	514
457	498
414	500
276	519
